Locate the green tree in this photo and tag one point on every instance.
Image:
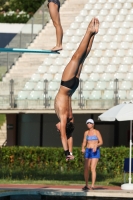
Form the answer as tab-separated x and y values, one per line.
4	5
29	6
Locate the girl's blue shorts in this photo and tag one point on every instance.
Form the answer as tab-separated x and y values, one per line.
90	154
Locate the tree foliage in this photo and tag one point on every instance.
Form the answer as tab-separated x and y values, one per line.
29	6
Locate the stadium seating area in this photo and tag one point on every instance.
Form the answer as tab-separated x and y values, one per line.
108	71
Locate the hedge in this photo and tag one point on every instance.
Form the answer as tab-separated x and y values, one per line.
43	163
14	17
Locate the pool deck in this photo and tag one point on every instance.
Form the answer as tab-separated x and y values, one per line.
63	190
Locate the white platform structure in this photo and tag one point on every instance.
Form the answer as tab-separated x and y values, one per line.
110	58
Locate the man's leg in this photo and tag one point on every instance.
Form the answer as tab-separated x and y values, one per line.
93	171
54	13
86	172
78	58
87	52
89	48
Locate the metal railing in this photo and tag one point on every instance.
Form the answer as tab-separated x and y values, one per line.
42	97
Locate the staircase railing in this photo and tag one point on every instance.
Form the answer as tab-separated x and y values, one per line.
30	96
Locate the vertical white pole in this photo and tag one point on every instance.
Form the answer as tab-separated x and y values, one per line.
130	155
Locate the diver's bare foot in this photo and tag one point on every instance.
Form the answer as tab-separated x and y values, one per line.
93	26
57	48
96	25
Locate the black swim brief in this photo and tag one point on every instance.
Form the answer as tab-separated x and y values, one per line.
71	84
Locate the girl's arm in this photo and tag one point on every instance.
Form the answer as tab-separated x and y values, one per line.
84	142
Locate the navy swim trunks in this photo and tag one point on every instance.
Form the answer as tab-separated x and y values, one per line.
56	2
90	154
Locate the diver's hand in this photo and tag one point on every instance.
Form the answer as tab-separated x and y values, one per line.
58	126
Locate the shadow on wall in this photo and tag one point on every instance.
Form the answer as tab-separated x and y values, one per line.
5	39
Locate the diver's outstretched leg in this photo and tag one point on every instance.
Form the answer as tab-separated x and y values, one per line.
83	50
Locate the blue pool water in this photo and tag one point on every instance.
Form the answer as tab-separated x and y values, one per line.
39	197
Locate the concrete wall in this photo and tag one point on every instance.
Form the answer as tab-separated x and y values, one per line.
7	32
10	28
11	120
29	130
40	130
124	129
5	39
107	132
50	136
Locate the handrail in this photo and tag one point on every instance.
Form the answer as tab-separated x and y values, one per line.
32	96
